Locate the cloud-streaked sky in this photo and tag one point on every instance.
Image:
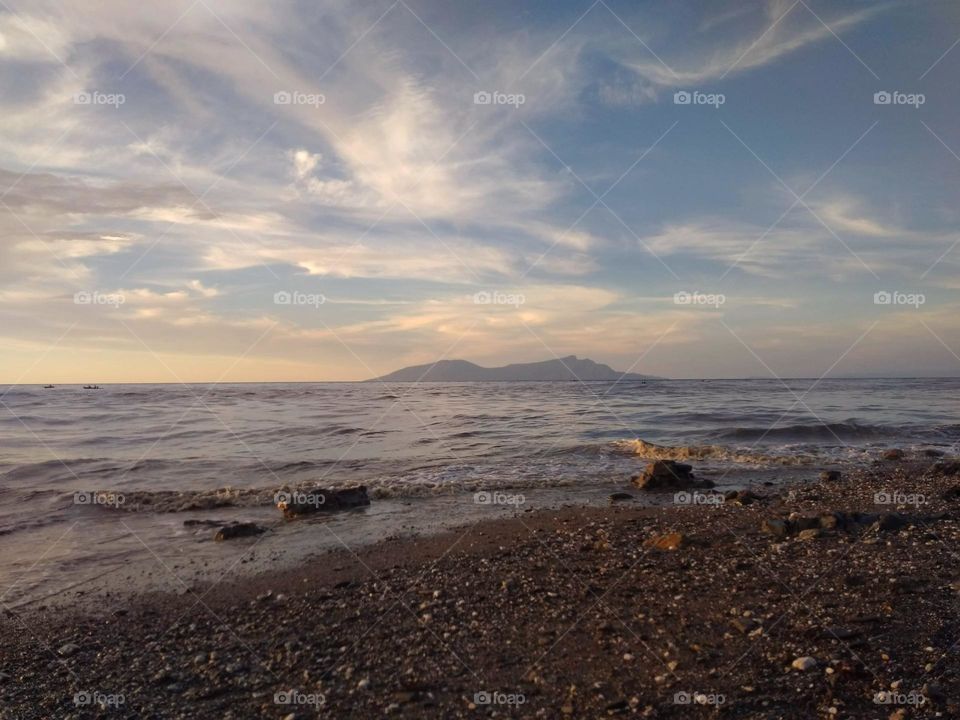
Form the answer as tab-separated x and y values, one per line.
582	199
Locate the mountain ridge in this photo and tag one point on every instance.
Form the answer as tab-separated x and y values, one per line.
567	369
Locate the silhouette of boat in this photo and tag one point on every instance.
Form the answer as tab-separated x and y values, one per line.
47	387
91	387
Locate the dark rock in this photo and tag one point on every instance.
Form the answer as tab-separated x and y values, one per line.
891	522
934	693
296	503
775	526
952	493
240	529
947	468
830	475
807	521
669	475
892	454
620	496
744	625
741	497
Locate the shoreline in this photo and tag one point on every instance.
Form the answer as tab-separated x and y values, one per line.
570	610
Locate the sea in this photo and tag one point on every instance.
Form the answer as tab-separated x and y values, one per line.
120	488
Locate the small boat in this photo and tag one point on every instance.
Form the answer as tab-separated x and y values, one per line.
47	387
91	387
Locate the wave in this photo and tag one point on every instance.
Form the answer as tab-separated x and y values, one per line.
652	451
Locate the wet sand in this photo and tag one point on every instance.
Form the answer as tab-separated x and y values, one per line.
556	613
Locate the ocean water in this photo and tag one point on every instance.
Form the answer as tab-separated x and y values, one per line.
162	452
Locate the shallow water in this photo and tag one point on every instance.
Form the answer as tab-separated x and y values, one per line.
420	446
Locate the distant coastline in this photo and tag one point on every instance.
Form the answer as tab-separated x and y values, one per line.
568	369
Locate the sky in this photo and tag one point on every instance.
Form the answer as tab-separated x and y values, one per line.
235	190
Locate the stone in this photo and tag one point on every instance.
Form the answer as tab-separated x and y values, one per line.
294	503
804	663
891	522
620	497
669	475
830	475
774	526
892	454
68	649
669	541
237	530
806	521
830	521
809	534
744	625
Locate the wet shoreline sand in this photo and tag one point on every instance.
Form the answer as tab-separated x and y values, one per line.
567	612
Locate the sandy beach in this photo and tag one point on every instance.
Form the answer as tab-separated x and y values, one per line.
830	598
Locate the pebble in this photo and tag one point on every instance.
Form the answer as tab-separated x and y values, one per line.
68	650
804	663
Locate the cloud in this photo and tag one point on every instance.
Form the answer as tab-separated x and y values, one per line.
779	29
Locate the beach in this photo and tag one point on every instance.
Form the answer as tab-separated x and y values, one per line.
828	597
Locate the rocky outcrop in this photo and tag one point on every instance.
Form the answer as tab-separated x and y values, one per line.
669	475
295	503
237	530
808	526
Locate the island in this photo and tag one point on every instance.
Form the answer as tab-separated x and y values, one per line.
567	369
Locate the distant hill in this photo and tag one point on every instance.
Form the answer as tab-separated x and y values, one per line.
569	368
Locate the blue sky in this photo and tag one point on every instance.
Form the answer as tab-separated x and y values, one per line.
162	201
